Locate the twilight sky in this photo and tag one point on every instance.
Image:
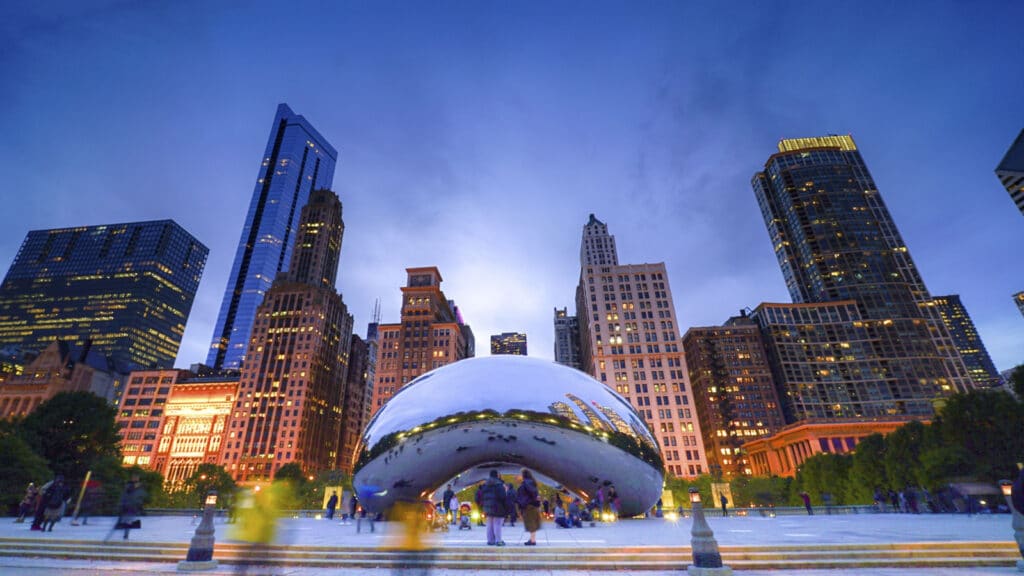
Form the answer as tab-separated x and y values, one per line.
477	136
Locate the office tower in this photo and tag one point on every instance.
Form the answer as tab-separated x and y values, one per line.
567	339
292	387
296	161
598	246
358	395
733	391
513	343
1018	299
431	334
123	290
1011	171
835	240
980	367
172	421
56	369
628	341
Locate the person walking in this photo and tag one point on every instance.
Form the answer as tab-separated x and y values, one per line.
528	499
28	503
492	501
510	504
130	508
40	505
353	504
54	502
446	501
332	503
807	503
725	505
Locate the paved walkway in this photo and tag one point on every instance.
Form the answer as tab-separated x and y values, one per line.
732	531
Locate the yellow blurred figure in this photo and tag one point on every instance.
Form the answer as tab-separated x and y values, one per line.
412	524
258	513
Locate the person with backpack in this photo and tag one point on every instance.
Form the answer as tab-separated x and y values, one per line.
492	501
55	500
528	499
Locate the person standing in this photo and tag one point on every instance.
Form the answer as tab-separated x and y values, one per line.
446	501
725	505
332	503
28	503
528	498
807	503
353	504
510	504
492	501
453	505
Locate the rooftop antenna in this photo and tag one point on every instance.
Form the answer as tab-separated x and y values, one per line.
376	311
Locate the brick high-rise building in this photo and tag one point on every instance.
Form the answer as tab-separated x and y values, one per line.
513	343
431	334
628	341
358	397
567	339
733	391
291	393
56	369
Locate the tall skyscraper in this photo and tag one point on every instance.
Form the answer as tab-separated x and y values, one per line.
598	246
430	335
835	240
567	339
733	391
512	343
291	393
1018	299
979	364
1011	171
358	396
123	290
297	160
628	341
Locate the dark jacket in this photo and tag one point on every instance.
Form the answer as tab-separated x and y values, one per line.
446	498
492	497
528	495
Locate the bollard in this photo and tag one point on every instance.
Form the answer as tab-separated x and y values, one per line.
200	551
707	561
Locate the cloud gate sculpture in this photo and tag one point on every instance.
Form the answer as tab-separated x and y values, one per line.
457	422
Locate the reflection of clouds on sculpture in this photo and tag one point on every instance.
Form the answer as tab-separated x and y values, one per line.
525	412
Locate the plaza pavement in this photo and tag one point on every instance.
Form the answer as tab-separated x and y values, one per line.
732	531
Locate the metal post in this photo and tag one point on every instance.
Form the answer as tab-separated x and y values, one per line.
707	561
200	551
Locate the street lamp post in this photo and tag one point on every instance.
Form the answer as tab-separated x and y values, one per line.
707	561
200	551
1018	519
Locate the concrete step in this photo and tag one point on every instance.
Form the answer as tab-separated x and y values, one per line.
923	554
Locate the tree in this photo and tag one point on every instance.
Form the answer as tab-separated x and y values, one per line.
825	473
18	466
987	425
209	477
71	431
1017	382
903	454
868	470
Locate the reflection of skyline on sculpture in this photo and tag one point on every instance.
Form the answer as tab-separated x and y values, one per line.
447	422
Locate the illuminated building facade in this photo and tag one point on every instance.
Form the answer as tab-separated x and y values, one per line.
56	369
1011	171
967	341
836	241
171	421
358	397
126	288
733	391
297	160
292	388
567	339
782	454
628	341
513	343
430	335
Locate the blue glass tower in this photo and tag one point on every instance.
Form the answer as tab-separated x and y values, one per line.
120	290
297	160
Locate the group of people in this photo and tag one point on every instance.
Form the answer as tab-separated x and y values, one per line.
502	503
48	504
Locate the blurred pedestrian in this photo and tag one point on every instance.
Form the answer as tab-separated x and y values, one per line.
807	503
55	499
130	508
28	503
510	504
332	503
725	505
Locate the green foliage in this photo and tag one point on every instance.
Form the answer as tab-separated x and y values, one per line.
72	431
1017	381
987	425
824	473
760	491
19	465
903	455
206	477
868	470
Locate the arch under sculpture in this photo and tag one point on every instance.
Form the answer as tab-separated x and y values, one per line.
507	412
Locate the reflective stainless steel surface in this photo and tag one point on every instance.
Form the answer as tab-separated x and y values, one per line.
523	412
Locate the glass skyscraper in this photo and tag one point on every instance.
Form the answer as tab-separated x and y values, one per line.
297	160
836	241
124	290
